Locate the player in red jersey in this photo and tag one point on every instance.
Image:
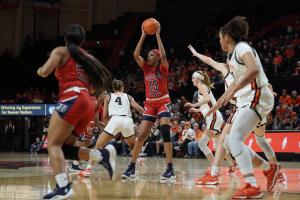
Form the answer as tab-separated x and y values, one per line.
80	77
156	104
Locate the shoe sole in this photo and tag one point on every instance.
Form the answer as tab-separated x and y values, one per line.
258	196
112	157
207	183
171	178
124	177
276	176
70	194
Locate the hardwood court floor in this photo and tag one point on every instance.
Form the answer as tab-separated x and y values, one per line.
23	176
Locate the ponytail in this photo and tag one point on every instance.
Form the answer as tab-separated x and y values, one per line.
99	76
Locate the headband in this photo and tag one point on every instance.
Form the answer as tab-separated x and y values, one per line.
198	75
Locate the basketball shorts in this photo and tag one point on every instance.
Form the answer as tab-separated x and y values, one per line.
157	109
120	124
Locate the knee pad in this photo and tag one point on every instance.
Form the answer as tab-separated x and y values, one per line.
165	132
70	152
202	143
265	146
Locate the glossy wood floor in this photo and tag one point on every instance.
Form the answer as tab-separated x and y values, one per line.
24	176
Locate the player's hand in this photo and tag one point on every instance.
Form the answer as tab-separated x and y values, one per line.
157	28
188	105
193	110
194	52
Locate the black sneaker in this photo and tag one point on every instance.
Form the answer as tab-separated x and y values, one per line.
129	173
168	175
109	159
60	193
74	168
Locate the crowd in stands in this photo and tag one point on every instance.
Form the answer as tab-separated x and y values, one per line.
279	53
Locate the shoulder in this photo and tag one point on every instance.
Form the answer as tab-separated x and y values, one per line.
243	47
59	51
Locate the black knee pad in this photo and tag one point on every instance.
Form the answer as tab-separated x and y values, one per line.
165	132
70	152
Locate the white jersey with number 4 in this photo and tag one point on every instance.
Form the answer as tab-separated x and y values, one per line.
119	105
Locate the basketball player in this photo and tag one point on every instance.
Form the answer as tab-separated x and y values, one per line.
117	108
214	122
259	131
156	104
255	101
80	76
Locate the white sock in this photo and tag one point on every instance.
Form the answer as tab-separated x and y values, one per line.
95	155
214	170
61	180
265	166
251	180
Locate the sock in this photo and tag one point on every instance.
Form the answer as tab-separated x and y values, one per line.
214	170
95	155
104	153
251	180
61	180
170	165
265	166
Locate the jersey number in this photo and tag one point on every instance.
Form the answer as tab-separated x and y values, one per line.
153	85
118	100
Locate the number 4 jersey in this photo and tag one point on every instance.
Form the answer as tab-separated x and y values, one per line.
119	105
156	81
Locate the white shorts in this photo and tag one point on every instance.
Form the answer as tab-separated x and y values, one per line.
215	122
120	124
260	100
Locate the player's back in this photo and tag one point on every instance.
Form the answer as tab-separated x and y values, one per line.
119	104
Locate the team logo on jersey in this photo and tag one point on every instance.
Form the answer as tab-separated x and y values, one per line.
62	108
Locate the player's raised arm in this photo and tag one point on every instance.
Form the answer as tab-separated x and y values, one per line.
221	67
162	52
137	52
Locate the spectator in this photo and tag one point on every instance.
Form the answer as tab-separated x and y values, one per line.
193	148
277	61
36	147
285	99
295	100
9	132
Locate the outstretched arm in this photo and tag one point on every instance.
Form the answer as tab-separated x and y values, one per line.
206	98
135	105
137	52
162	52
221	67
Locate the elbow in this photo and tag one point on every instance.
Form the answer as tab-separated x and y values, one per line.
42	73
255	73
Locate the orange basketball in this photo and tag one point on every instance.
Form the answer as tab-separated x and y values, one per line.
149	26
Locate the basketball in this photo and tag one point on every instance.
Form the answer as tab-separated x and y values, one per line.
149	26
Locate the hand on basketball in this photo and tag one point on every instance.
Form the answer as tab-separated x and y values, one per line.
194	52
158	28
188	104
193	110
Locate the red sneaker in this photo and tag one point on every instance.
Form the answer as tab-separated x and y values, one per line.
272	175
207	179
248	192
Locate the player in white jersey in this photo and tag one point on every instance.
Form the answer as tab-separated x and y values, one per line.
259	131
214	122
117	115
254	99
